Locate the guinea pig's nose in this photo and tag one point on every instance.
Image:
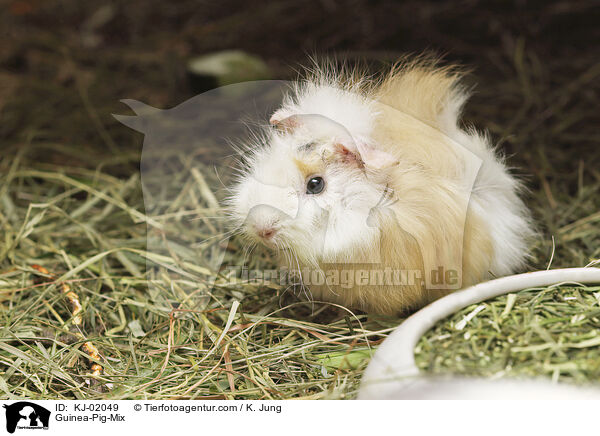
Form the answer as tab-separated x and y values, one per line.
264	221
266	232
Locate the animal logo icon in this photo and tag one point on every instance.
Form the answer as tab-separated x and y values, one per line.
186	151
27	415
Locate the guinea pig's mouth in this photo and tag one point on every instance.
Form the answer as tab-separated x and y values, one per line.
276	242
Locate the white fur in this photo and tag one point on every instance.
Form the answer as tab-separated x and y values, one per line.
495	194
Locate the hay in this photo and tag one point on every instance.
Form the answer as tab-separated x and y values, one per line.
154	341
551	332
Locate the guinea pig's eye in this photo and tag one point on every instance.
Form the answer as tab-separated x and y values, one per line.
315	185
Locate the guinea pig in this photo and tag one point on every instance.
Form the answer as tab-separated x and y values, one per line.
371	192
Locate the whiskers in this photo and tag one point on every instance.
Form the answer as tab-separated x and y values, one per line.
247	249
294	272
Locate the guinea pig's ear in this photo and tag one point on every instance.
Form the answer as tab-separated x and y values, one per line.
283	121
375	158
362	153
